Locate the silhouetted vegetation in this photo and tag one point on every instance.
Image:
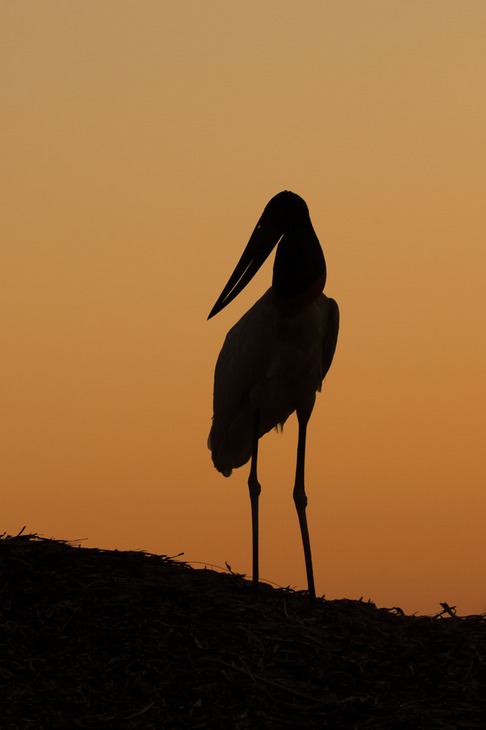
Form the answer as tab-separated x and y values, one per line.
105	639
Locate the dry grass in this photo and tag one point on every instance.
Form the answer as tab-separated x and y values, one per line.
105	639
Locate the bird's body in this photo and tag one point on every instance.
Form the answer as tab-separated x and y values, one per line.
276	356
269	364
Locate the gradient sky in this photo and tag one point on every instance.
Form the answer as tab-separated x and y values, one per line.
140	143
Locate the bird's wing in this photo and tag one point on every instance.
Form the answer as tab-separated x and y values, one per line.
245	358
331	335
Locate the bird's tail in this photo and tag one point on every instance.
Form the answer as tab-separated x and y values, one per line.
231	447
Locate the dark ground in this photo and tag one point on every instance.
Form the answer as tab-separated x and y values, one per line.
105	639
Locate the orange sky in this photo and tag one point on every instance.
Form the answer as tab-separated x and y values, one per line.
140	143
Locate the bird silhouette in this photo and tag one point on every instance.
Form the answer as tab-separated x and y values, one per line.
274	359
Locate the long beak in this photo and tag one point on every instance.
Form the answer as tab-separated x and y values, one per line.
262	242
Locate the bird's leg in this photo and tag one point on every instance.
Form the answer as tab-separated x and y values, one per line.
255	489
300	497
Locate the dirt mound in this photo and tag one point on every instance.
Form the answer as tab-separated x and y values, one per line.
106	639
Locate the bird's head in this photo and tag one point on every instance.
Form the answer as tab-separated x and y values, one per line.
286	216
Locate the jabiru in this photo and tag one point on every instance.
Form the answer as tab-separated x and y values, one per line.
274	359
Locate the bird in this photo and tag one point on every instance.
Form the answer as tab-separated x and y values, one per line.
274	359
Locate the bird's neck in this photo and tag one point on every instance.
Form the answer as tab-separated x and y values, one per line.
299	272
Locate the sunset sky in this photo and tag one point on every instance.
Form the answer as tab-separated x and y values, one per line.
140	143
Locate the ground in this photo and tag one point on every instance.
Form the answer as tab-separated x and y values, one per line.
106	639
